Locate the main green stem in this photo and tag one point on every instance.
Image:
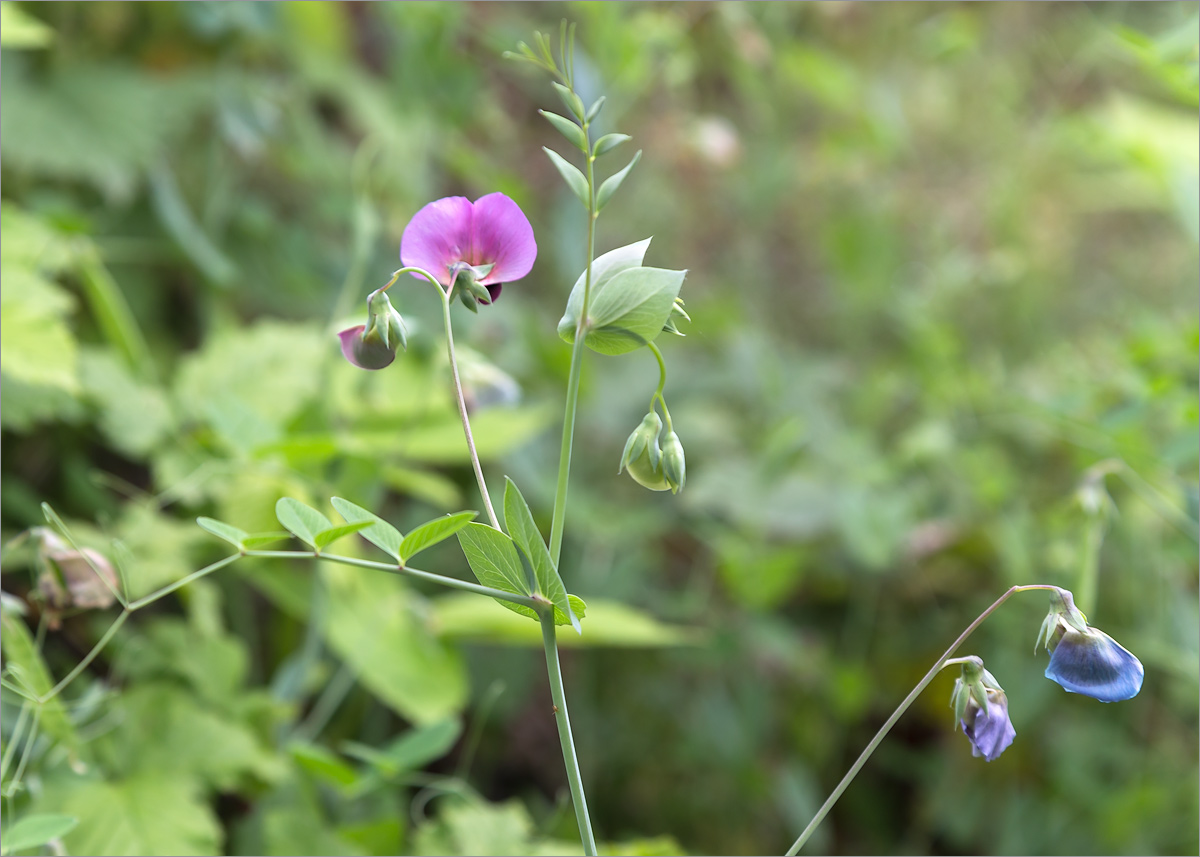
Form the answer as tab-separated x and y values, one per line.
568	432
557	692
898	713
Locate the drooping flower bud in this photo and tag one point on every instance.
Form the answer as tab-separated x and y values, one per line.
1084	659
981	708
643	457
373	345
82	579
674	466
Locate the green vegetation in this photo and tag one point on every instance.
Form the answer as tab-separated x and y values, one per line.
942	265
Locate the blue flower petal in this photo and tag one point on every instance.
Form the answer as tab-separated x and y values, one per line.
1095	665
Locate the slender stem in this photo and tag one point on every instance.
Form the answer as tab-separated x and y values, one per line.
14	739
441	580
183	581
88	658
891	721
462	411
574	777
581	329
327	704
662	383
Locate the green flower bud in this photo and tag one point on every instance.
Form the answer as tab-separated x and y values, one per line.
674	467
642	456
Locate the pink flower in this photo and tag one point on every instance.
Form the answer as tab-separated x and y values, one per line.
491	235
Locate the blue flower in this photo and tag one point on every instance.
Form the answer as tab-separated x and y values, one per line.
1084	659
1096	665
990	732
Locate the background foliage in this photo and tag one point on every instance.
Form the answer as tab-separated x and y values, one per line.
943	261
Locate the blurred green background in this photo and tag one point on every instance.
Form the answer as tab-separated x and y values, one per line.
943	264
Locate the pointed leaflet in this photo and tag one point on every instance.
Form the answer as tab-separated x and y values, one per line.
331	535
525	533
571	175
432	532
610	185
380	533
36	830
304	522
568	129
221	530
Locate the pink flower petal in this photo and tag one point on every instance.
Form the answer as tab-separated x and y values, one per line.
502	237
438	236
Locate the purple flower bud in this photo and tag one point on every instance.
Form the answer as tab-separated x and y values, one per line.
451	232
990	732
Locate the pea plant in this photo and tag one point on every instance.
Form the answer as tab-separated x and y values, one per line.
464	252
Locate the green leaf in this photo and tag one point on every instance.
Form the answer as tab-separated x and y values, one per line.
568	129
23	659
432	532
570	99
221	530
467	618
632	309
145	813
322	763
528	538
36	345
380	533
571	175
610	184
375	623
594	110
493	558
21	30
37	829
609	142
257	540
327	537
604	268
412	750
304	522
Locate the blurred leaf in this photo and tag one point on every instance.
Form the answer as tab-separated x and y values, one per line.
134	416
412	750
32	831
18	30
434	488
173	210
23	659
221	530
147	813
379	533
101	123
475	827
322	763
374	625
36	346
304	522
473	619
431	532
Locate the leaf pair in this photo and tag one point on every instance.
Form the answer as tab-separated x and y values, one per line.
318	532
520	564
628	304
